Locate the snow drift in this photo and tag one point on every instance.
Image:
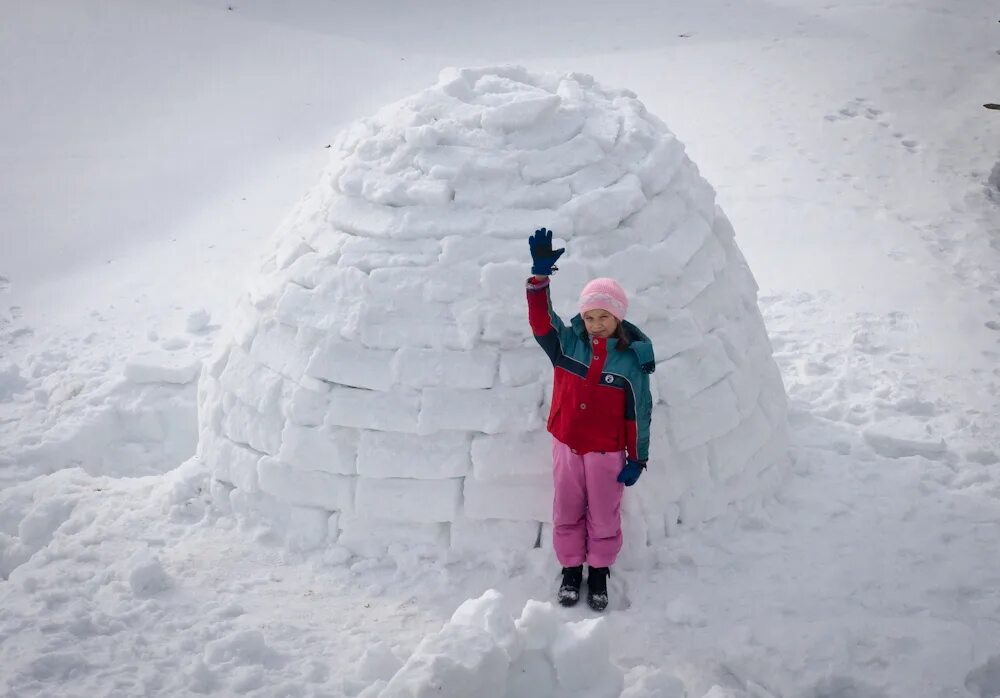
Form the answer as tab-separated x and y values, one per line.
378	382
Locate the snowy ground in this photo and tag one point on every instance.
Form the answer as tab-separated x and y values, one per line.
150	149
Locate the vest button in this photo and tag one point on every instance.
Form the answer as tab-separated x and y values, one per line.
583	405
597	341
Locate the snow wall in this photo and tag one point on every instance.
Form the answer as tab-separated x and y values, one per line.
378	383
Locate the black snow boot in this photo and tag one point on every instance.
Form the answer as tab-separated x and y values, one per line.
569	590
597	587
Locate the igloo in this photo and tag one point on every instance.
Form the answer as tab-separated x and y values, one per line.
378	383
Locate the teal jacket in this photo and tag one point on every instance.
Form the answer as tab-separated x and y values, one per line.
600	398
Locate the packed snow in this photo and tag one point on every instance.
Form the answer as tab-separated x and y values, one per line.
152	149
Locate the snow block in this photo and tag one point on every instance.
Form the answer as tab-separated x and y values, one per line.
684	375
415	324
708	415
402	499
368	409
351	364
280	348
505	280
659	166
560	160
731	452
434	284
498	409
529	499
373	537
499	456
676	333
483	537
245	425
236	464
603	209
306	488
520	112
383	454
329	449
330	307
423	368
479	250
156	367
307	405
523	366
253	384
367	254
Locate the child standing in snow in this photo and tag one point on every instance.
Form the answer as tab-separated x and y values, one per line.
599	419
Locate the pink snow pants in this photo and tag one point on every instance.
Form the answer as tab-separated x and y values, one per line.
586	510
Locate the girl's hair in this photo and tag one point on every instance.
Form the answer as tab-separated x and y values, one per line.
622	336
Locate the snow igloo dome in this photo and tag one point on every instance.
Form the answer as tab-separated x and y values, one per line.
378	383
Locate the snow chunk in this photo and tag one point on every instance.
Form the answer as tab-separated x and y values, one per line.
11	381
581	656
538	625
458	662
488	612
146	576
198	321
378	662
519	113
903	438
162	367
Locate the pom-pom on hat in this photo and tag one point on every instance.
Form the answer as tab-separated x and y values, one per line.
604	294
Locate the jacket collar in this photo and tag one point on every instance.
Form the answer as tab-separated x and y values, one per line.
638	342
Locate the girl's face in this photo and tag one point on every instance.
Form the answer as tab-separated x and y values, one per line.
600	323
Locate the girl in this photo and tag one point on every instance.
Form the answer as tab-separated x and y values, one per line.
599	419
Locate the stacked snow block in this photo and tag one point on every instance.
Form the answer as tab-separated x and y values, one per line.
378	384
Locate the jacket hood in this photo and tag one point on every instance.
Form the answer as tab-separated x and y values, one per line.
638	342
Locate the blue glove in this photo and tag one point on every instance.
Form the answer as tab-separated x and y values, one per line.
543	257
630	472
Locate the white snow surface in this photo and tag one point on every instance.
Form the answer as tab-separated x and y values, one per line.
150	151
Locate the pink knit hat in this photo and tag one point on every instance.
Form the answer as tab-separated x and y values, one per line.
604	294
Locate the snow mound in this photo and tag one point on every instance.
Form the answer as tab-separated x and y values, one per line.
483	651
378	382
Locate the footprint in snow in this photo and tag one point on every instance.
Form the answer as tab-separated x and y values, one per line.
859	107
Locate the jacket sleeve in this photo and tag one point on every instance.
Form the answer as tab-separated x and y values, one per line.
638	412
547	327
